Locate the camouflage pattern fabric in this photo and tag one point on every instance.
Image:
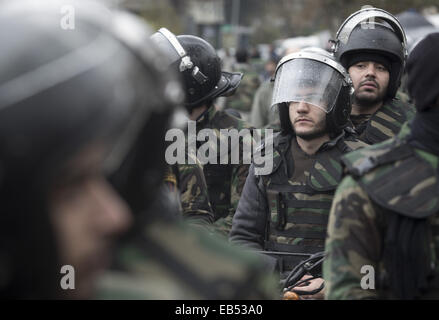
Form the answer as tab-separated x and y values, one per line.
402	96
225	181
174	261
306	206
288	210
400	180
188	185
242	99
385	123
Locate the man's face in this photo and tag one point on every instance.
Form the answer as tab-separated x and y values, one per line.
86	214
371	80
308	121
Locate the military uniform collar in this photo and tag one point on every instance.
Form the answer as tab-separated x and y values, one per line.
207	115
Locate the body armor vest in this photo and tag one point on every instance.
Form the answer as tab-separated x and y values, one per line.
299	210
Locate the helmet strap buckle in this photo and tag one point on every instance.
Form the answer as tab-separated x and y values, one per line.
199	76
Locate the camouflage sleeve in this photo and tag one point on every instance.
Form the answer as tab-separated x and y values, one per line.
352	242
239	174
170	180
194	195
237	180
197	266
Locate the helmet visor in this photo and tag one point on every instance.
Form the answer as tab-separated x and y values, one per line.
170	53
306	80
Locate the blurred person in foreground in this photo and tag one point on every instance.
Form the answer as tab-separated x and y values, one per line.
65	113
74	116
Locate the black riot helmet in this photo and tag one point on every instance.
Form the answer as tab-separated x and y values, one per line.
313	76
199	65
60	92
373	31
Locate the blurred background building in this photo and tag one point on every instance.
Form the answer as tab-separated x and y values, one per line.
246	23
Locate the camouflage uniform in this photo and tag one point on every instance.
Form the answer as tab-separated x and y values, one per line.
224	181
188	185
262	114
386	181
287	210
243	98
166	259
385	123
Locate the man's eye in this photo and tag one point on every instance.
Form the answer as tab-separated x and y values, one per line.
360	66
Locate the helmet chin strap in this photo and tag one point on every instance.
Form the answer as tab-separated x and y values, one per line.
186	62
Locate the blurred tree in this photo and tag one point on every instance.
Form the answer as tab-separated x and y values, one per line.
163	13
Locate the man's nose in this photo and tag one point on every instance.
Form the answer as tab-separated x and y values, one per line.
371	70
115	215
302	107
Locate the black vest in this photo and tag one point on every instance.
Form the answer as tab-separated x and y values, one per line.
299	210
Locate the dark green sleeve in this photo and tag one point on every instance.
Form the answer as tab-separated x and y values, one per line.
194	195
352	244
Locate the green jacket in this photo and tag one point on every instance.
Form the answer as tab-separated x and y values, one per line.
385	181
168	260
225	181
242	99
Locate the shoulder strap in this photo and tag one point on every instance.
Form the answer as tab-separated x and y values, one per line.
327	171
281	144
396	178
362	161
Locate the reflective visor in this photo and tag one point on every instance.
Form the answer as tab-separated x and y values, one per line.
306	80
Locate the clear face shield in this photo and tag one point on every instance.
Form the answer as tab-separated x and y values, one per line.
309	81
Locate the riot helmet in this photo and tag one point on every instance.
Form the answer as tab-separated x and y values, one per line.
375	33
199	65
316	78
60	92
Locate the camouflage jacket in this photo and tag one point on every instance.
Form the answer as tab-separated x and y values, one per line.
168	260
287	210
225	181
242	99
385	123
188	185
385	180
